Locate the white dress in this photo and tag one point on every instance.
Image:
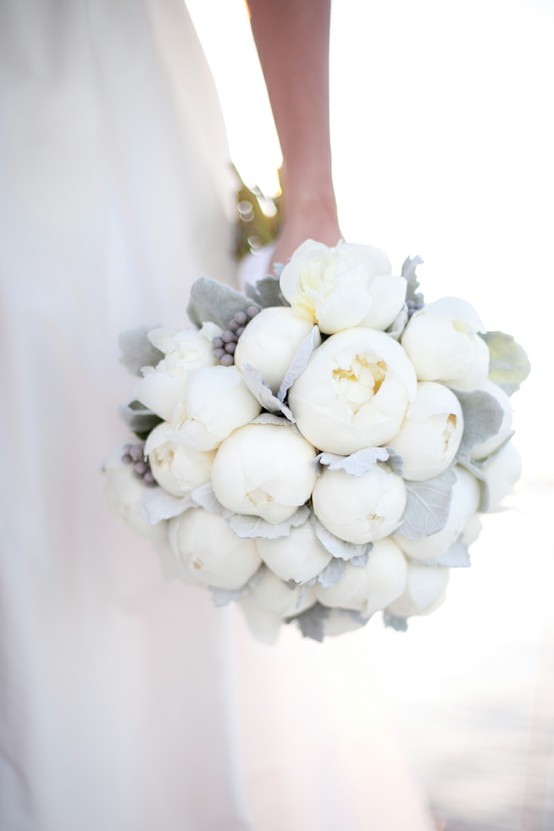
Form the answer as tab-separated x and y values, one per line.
129	703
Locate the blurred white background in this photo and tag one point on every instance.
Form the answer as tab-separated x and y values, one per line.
443	137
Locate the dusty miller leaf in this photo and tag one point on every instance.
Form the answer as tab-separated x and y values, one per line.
337	547
332	573
427	505
204	497
271	418
266	292
400	624
399	323
482	417
457	556
362	461
222	597
139	419
157	505
509	364
259	389
360	561
413	297
252	527
217	302
312	622
299	362
137	351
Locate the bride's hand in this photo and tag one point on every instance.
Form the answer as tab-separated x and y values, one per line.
302	224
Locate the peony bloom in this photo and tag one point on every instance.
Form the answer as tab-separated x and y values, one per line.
425	591
211	552
342	287
162	388
265	470
298	557
360	509
216	402
354	392
177	468
124	492
270	341
431	432
465	501
501	472
443	343
372	587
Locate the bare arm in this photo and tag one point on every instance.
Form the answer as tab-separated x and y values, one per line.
292	38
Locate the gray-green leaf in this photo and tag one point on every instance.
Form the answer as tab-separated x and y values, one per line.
400	624
259	389
157	505
332	573
409	266
509	364
217	302
337	547
399	323
299	362
139	419
252	527
312	622
482	417
266	292
427	505
362	461
137	351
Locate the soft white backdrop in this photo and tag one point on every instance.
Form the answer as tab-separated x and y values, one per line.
442	132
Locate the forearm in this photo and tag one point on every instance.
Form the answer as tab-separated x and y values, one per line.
292	38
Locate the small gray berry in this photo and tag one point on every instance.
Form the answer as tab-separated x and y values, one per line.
136	452
140	468
126	459
233	326
241	318
217	343
227	360
148	479
252	311
240	331
227	336
230	348
219	353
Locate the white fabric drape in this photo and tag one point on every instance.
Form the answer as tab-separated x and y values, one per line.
131	704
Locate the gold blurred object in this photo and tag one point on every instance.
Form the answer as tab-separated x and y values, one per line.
259	218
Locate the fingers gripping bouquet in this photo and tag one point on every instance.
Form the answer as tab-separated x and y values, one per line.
320	448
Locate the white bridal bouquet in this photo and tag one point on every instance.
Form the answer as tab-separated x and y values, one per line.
319	448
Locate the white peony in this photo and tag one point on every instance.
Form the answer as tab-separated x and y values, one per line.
124	492
360	509
268	601
484	449
443	343
342	287
162	388
299	557
372	587
354	392
216	402
465	501
265	470
270	341
175	466
501	471
425	591
211	552
431	432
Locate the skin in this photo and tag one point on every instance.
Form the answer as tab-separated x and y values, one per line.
292	39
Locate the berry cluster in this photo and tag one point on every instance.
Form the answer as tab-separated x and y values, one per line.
225	345
133	454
